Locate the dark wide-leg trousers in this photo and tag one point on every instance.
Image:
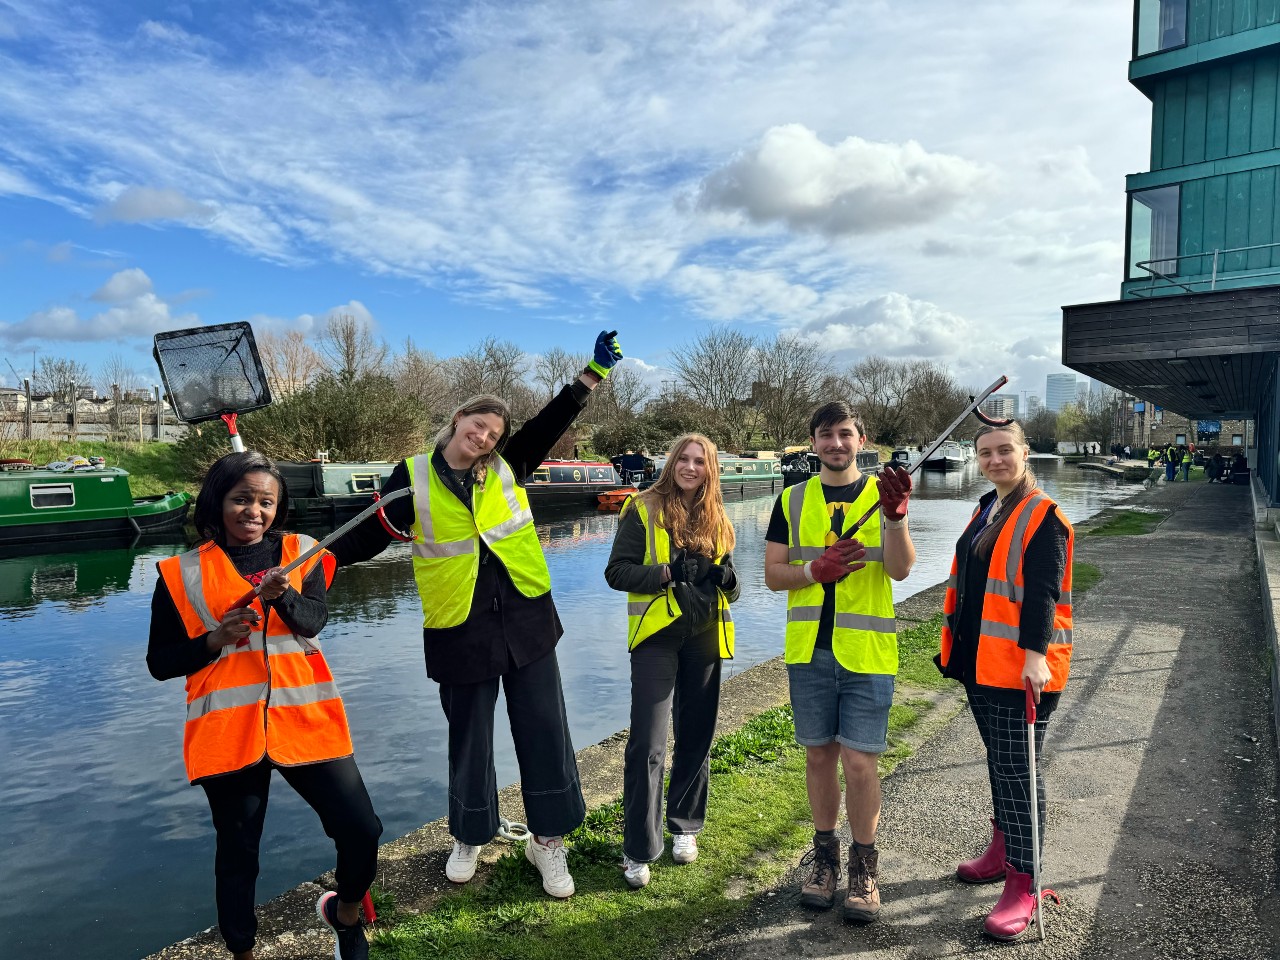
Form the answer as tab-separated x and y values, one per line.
1004	733
666	676
334	789
553	803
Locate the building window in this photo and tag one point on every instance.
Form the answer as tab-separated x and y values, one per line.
1180	439
1153	232
1162	25
1237	440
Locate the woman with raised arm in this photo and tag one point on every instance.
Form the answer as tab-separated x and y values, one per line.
488	616
673	557
1008	621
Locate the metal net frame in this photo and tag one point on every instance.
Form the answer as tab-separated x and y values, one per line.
211	372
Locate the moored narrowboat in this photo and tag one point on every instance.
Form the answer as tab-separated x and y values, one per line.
740	476
322	489
571	483
42	506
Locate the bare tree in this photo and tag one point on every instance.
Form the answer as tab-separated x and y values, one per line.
421	374
555	368
55	375
879	389
349	348
493	366
788	370
289	360
116	371
935	400
622	394
716	369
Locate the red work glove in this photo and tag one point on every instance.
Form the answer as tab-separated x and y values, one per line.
895	488
839	560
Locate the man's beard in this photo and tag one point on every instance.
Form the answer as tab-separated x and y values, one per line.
848	461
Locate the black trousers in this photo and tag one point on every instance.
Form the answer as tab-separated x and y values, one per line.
238	802
1004	733
663	672
549	784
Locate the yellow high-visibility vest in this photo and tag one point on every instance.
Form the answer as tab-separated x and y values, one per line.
647	613
447	535
865	637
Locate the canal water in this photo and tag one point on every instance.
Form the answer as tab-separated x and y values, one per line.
108	851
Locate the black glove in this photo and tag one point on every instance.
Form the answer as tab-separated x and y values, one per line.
719	575
684	568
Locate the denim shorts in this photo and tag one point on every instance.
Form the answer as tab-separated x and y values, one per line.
832	703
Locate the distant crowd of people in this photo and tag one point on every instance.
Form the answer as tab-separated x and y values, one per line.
1175	458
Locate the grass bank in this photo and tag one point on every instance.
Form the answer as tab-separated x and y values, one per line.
153	467
760	824
1125	523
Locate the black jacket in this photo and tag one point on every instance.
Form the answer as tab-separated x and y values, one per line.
505	629
628	572
1043	563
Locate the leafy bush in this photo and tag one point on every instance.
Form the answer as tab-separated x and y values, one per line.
361	418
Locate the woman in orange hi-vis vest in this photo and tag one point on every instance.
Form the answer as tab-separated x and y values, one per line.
1008	621
260	696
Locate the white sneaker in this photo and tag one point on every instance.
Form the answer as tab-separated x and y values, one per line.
462	862
636	874
684	848
551	859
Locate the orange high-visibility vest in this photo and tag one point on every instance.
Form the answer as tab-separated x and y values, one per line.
274	697
1000	659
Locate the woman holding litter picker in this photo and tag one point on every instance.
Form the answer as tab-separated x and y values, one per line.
488	616
260	696
1008	622
673	557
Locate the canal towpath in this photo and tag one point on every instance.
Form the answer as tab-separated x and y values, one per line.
1161	773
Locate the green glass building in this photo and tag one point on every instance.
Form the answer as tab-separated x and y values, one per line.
1197	326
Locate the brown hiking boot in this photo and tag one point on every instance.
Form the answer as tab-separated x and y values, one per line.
862	903
819	889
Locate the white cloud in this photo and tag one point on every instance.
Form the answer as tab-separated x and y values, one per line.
140	204
125	285
856	186
893	325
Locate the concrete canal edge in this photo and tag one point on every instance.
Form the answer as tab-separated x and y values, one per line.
412	867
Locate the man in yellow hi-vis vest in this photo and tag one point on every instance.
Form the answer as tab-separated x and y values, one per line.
841	643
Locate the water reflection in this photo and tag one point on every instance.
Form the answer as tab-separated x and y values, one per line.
96	811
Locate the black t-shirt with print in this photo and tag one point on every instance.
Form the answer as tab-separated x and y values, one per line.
840	500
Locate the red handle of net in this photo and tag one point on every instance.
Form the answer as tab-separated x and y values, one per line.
1031	703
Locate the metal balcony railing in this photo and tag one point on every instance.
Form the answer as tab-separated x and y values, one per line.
1157	266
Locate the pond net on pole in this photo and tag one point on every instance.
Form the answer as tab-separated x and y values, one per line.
212	372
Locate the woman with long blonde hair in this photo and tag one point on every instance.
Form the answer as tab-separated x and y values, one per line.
673	557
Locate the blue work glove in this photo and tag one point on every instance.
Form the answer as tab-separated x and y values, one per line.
607	355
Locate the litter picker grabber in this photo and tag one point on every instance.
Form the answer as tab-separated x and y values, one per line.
212	373
975	408
376	507
1035	812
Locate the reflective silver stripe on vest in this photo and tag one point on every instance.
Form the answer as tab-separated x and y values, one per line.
795	506
1003	588
422	495
281	642
725	615
457	548
651	528
255	643
225	699
804	613
1064	597
874	555
1061	635
636	608
1019	542
992	628
508	480
864	621
506	528
301	696
193	584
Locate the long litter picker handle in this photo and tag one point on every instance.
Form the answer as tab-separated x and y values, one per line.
1034	801
974	407
342	531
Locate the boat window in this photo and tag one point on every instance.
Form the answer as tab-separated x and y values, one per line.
541	475
364	482
45	495
737	467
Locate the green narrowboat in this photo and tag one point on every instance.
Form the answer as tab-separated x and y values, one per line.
741	476
92	507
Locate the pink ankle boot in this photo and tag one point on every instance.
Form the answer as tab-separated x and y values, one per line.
989	866
1012	915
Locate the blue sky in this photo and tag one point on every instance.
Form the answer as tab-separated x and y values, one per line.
915	178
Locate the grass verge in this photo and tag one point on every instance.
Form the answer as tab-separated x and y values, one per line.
1126	523
758	824
1084	576
153	467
